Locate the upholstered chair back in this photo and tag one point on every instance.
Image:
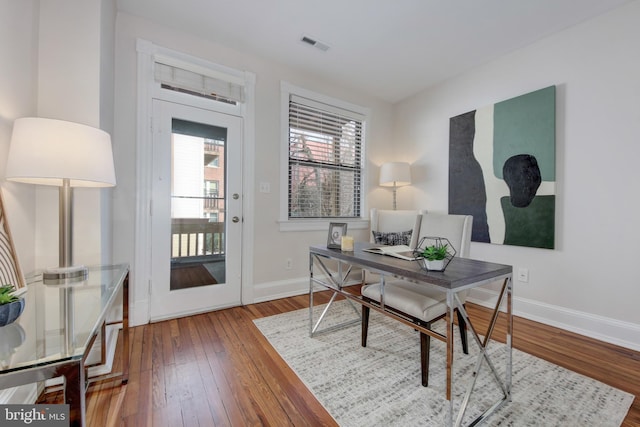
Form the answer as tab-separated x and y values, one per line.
456	228
390	221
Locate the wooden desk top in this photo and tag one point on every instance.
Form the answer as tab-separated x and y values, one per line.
460	273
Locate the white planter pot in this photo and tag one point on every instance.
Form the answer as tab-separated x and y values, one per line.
437	265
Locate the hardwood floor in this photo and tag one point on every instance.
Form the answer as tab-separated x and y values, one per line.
189	275
216	369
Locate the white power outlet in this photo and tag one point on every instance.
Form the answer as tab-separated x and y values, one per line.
288	263
523	275
264	187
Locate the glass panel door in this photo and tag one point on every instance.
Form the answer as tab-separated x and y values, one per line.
196	250
197	204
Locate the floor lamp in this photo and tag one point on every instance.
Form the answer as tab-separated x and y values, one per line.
66	155
395	174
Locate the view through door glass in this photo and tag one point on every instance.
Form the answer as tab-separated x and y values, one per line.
197	204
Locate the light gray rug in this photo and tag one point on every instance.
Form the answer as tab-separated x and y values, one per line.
380	385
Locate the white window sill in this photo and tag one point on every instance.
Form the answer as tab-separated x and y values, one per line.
321	224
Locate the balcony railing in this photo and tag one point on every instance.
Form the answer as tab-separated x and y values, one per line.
196	237
210	201
212	147
213	202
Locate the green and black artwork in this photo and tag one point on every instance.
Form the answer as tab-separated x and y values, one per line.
502	170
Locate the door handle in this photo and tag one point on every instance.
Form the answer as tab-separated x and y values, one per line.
235	219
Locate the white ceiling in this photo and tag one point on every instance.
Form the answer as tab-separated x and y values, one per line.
388	48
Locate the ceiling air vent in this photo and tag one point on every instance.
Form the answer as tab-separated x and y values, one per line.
315	43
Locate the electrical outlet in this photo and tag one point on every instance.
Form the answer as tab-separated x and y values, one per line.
288	263
265	187
523	275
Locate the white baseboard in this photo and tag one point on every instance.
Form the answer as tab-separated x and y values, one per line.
624	334
280	289
94	356
21	395
288	288
139	313
110	350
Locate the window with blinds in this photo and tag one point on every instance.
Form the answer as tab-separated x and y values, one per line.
325	160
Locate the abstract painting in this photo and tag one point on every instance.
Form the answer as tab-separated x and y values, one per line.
502	170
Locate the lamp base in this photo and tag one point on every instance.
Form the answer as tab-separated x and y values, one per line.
62	275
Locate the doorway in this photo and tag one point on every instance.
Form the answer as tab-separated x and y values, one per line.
196	210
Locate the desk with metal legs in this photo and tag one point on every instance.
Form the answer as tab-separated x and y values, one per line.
461	274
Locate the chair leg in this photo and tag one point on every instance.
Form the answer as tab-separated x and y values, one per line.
463	332
425	341
365	324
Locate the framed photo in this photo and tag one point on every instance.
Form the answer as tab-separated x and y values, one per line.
336	231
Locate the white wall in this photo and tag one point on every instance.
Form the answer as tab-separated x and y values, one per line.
57	62
18	50
596	69
271	277
75	83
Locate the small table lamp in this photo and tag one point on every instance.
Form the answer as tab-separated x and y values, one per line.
63	154
395	174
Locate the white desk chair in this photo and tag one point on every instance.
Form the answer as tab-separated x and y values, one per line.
389	225
423	306
388	221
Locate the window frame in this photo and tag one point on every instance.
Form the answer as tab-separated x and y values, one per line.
302	224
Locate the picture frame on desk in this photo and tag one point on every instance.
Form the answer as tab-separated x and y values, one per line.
336	231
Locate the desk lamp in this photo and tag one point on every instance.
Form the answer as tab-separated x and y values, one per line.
66	155
395	174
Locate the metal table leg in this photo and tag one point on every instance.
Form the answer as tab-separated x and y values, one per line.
335	283
505	384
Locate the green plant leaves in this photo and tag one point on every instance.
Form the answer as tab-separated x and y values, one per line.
435	253
6	294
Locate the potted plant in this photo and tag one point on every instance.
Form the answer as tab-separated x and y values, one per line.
434	253
434	256
11	306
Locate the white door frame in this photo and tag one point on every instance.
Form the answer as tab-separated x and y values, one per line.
148	89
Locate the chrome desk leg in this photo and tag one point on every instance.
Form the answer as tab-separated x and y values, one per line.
483	356
311	256
509	336
336	284
314	328
450	327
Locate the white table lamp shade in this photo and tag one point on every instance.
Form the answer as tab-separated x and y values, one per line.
395	174
66	155
47	151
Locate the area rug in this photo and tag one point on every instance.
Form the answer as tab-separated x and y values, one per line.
380	385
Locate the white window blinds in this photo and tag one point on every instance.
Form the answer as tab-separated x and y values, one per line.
325	160
201	83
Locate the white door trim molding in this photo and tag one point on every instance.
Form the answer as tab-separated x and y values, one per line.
147	90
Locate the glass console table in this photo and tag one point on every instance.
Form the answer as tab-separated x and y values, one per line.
57	330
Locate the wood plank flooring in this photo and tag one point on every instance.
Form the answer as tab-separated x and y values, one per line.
190	275
216	369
